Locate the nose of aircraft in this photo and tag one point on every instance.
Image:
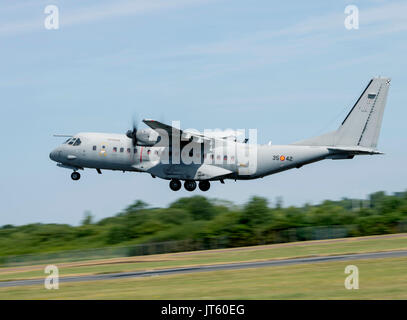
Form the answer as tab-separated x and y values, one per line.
53	155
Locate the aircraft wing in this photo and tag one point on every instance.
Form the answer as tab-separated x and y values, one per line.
155	125
171	131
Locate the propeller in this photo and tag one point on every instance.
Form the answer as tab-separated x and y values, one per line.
132	134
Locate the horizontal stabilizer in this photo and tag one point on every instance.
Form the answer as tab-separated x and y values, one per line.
355	150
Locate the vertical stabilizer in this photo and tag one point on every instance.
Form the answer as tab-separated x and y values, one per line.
361	126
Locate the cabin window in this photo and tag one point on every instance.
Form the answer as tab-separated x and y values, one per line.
121	149
135	150
94	148
128	150
212	156
225	158
114	149
148	151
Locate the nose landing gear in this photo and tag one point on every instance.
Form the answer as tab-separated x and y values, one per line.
75	176
175	184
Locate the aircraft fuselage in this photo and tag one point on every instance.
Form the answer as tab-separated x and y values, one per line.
116	152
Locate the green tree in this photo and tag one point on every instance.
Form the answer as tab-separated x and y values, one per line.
87	219
117	234
199	207
135	207
255	212
376	198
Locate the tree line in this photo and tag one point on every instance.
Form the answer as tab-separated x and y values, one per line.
199	218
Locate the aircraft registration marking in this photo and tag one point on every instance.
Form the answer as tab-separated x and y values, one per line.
282	158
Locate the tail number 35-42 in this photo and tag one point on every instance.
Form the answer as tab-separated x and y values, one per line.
282	158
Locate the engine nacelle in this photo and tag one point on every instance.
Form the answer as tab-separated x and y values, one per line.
147	137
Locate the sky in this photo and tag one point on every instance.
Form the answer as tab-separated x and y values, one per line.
289	69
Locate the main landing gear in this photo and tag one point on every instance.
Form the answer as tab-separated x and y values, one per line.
189	185
75	175
204	185
175	185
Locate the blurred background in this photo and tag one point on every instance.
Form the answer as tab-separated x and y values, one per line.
198	223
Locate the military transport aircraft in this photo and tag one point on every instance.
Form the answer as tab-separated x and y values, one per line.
179	155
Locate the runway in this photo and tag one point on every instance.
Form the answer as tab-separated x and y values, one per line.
213	267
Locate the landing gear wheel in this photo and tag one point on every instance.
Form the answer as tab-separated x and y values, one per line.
75	176
175	185
190	185
204	185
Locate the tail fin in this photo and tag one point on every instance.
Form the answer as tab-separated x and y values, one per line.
361	126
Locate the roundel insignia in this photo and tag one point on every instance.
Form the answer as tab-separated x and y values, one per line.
282	158
103	151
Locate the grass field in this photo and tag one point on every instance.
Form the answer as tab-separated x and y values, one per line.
379	278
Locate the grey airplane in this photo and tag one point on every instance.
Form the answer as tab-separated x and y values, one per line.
177	155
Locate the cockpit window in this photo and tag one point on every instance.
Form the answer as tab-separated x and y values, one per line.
67	140
72	141
77	142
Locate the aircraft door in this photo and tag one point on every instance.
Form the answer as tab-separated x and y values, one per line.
246	159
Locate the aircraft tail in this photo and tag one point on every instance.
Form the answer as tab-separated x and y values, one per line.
361	126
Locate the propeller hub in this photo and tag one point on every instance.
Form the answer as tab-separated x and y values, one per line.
132	134
129	134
